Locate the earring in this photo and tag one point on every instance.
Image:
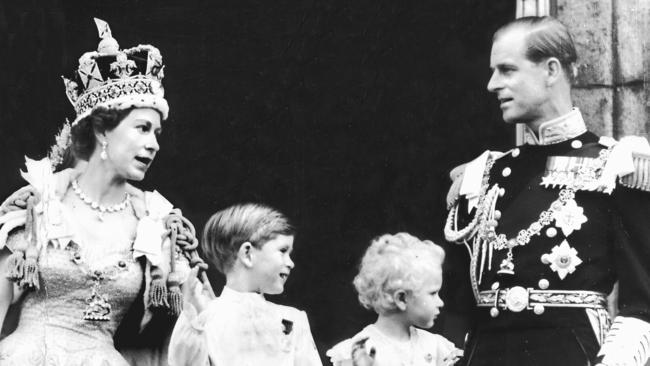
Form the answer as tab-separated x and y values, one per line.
104	155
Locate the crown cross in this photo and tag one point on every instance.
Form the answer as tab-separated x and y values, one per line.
103	28
90	75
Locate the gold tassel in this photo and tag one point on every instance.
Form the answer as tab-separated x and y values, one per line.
158	291
174	296
31	278
16	265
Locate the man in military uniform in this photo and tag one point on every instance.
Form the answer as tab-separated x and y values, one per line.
553	224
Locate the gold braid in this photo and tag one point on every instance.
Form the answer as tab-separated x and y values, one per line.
183	239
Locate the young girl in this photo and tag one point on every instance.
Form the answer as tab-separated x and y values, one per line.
399	279
251	245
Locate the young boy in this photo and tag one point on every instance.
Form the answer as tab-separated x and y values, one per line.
251	245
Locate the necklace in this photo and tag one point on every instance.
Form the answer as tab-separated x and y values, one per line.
96	206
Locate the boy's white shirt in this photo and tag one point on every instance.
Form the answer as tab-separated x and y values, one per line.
238	329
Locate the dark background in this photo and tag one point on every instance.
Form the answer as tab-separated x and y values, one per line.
345	115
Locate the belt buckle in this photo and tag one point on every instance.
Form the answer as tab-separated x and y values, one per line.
516	299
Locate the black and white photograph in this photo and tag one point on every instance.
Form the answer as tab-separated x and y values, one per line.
314	183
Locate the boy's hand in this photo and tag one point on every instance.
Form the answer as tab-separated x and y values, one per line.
195	292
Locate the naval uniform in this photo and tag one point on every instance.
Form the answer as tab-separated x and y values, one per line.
551	226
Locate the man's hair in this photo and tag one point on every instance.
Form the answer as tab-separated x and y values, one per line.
547	37
393	263
228	229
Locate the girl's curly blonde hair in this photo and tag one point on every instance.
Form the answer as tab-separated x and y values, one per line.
392	263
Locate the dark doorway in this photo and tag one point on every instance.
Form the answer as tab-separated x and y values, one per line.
346	115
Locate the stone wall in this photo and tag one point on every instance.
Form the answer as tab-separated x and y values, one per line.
611	88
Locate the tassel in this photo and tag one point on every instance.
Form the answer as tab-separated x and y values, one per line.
174	296
31	278
158	291
16	265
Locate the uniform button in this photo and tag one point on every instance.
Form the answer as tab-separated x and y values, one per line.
545	259
497	214
495	286
551	232
506	171
543	284
516	152
494	312
538	309
576	144
502	192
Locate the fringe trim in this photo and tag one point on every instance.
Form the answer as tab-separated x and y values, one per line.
158	291
174	296
16	266
31	278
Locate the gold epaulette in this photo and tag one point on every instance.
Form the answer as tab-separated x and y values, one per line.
640	178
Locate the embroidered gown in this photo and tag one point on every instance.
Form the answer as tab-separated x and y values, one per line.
242	329
77	279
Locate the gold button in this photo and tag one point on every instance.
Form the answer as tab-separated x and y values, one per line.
494	312
506	171
543	284
551	232
495	285
576	144
516	152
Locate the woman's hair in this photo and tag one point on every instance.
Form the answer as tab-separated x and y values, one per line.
392	263
99	120
547	37
228	229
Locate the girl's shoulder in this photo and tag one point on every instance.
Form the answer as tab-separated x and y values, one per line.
342	351
431	339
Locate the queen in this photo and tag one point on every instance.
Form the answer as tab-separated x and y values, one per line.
81	248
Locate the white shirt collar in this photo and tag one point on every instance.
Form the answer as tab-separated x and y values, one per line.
557	130
247	297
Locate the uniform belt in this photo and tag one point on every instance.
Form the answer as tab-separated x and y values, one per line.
518	298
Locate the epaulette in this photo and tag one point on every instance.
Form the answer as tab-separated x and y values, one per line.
640	177
461	184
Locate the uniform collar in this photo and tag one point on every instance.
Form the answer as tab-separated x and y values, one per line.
557	130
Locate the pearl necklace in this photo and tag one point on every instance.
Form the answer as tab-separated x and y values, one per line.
96	206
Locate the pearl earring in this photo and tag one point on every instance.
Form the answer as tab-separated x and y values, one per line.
104	155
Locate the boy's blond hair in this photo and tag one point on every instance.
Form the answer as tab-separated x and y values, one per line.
228	229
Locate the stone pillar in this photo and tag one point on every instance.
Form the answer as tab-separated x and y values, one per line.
613	63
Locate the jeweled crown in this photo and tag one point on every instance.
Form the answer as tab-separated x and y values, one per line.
115	78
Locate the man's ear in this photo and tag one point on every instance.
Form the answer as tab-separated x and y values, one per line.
245	254
400	299
553	70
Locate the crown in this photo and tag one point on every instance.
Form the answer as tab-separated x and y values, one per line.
114	78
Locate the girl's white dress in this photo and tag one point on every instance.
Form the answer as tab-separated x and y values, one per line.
422	349
238	329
